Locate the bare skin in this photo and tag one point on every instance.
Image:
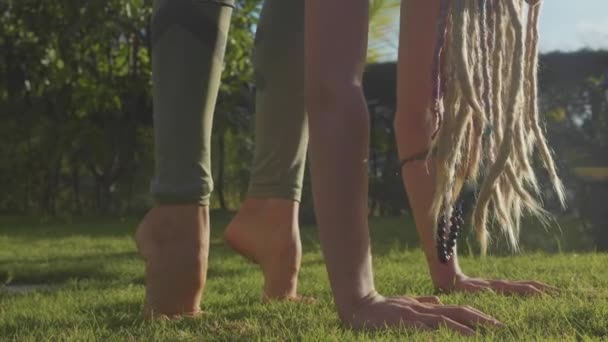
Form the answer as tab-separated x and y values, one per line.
339	128
279	258
174	241
266	231
414	127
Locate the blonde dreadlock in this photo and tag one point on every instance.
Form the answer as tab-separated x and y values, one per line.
486	103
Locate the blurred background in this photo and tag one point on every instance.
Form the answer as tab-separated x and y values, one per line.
76	112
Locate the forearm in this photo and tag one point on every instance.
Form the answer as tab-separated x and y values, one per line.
414	124
339	143
419	180
339	176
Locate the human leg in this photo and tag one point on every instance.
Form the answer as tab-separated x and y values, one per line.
266	228
188	41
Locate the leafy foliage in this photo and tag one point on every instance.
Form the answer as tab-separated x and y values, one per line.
76	123
75	103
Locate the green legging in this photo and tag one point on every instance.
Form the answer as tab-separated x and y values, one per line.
189	39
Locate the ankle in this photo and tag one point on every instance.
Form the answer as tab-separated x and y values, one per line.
266	232
276	209
445	281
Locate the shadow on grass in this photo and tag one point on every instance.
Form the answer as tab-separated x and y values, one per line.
56	228
58	270
106	258
33	228
118	315
115	316
13	329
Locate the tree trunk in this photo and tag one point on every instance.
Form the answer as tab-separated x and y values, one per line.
45	203
596	98
102	195
105	195
55	188
77	205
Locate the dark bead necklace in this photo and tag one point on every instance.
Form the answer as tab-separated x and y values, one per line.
447	233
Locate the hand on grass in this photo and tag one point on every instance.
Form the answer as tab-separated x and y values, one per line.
424	313
462	283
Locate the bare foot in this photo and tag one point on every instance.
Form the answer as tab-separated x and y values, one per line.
174	241
266	232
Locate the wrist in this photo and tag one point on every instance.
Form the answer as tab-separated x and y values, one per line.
444	276
348	308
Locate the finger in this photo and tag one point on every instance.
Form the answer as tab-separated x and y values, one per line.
482	313
542	286
508	287
403	301
461	314
429	300
471	287
433	321
478	281
400	315
427	307
437	321
510	290
392	315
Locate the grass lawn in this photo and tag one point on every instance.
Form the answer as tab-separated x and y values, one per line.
95	290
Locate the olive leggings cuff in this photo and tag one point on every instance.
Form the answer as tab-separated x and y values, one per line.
182	199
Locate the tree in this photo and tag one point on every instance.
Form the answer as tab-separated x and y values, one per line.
383	17
75	103
233	119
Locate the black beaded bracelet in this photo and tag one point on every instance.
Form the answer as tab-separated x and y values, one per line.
447	233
